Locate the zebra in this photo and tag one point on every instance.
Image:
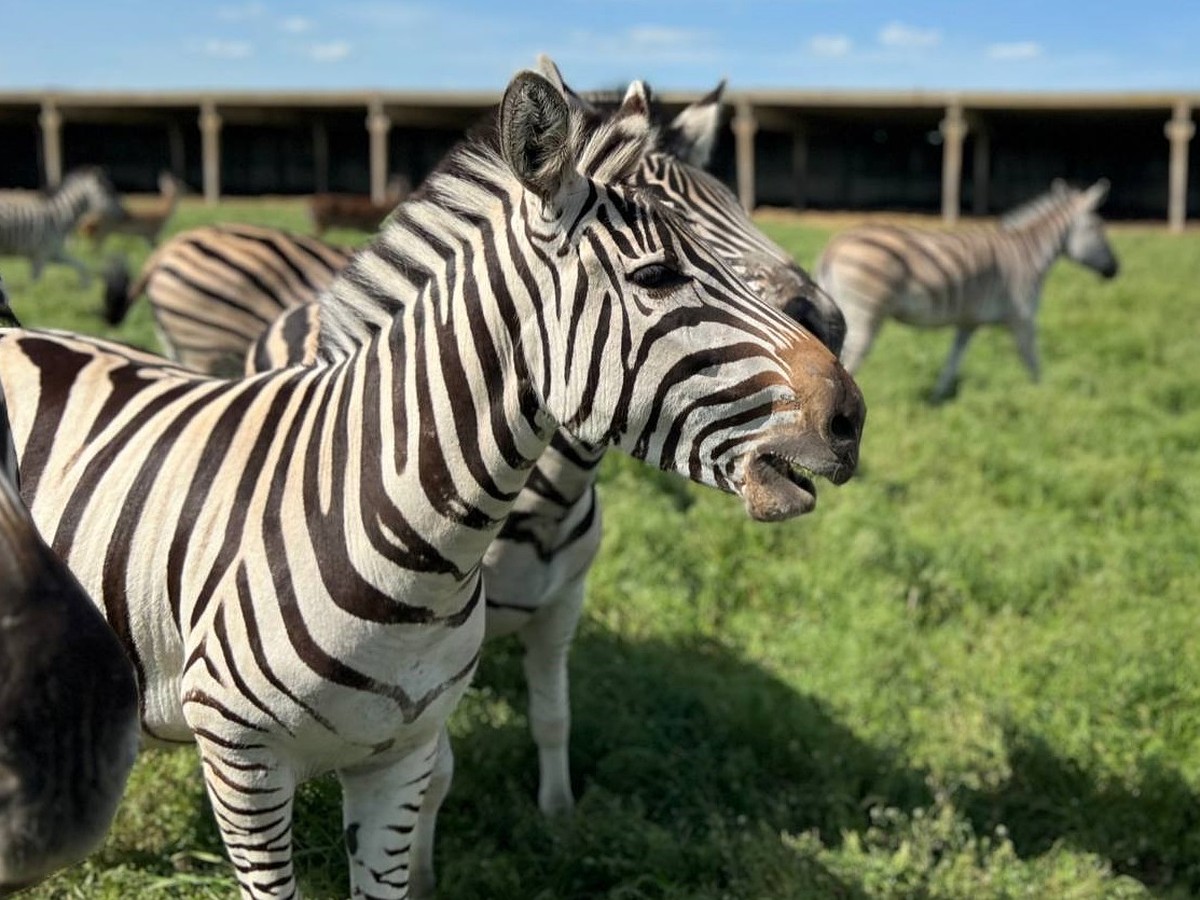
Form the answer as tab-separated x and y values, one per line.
292	560
68	701
37	227
535	571
216	288
966	277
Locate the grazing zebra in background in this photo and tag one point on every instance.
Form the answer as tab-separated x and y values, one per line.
966	277
37	227
68	701
535	572
213	290
293	559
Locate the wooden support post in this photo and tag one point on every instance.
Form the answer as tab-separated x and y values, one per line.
210	151
378	125
1179	131
50	122
744	126
954	129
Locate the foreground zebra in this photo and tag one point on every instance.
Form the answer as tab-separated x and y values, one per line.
68	701
37	227
965	278
293	559
213	290
535	571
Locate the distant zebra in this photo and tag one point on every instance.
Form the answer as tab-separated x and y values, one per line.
213	290
965	277
37	227
293	559
68	701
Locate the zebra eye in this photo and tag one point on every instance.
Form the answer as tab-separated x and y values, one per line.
659	277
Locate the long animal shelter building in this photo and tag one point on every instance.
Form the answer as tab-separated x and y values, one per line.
953	153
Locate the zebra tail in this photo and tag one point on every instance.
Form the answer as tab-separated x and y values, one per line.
118	294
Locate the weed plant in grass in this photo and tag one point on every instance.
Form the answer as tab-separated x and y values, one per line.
974	672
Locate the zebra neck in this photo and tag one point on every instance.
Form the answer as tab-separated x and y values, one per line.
69	204
461	426
1044	238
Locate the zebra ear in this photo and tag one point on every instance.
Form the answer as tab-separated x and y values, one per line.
615	148
1097	194
693	133
536	138
548	69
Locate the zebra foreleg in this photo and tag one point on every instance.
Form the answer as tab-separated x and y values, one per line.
949	374
60	255
547	639
1025	334
424	877
251	794
861	328
380	810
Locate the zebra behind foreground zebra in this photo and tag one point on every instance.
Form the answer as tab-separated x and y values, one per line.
68	700
213	290
37	227
238	534
965	277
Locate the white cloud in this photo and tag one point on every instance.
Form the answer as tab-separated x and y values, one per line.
659	36
330	51
241	12
296	24
830	46
1016	51
908	37
222	49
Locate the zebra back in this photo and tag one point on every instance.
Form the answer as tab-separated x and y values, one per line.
215	289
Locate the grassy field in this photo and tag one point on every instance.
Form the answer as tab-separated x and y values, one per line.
974	672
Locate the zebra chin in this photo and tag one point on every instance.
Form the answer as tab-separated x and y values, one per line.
779	477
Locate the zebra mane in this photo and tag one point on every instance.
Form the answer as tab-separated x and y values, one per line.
451	204
1040	206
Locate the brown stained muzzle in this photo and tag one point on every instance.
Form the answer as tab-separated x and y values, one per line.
818	435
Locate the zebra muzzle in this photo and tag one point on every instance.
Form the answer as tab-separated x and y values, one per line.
777	488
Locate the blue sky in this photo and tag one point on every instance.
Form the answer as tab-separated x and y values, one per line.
673	44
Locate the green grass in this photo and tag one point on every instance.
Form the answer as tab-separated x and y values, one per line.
974	672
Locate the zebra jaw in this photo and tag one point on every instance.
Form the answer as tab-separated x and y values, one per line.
778	487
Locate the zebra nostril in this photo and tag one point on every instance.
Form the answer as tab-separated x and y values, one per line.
842	428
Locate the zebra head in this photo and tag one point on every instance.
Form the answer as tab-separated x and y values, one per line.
675	167
1086	242
94	191
662	347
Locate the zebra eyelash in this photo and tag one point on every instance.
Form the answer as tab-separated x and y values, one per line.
659	278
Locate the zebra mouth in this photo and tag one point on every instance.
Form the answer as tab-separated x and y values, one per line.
778	487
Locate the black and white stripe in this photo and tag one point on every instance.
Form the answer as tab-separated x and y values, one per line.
965	277
213	290
68	701
293	558
37	227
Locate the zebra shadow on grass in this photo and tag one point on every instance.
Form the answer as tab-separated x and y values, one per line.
697	773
